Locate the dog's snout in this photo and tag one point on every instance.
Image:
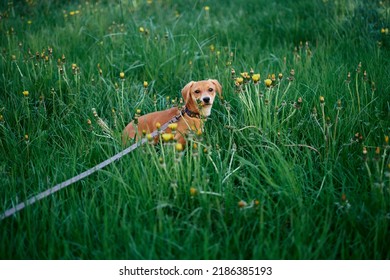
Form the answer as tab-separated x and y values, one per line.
206	100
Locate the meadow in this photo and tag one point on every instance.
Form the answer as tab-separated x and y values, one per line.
293	162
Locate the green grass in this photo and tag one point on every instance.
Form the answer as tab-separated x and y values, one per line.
297	170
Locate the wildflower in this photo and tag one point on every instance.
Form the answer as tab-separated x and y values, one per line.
245	75
322	99
149	137
141	29
239	81
179	147
29	22
145	84
167	137
292	75
122	75
386	139
26	137
25	93
280	76
256	78
89	122
206	8
212	48
256	202
72	13
173	126
339	104
158	125
233	73
242	204
268	82
193	191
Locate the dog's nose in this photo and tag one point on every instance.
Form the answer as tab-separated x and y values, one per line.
206	100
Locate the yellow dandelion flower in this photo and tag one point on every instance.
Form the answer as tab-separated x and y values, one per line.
26	137
141	29
239	80
122	75
72	13
173	126
268	82
322	99
206	8
158	125
149	136
386	139
179	147
245	75
167	137
256	78
138	111
29	22
145	84
25	93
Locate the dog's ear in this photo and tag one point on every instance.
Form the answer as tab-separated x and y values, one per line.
217	86
185	92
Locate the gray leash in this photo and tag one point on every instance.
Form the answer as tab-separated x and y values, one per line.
81	176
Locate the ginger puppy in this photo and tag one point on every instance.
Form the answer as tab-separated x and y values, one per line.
198	98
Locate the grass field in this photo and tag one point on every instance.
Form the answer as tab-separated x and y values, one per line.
292	164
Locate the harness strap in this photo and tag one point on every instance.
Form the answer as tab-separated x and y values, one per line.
81	176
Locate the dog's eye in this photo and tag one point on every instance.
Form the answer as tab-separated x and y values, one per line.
211	89
197	91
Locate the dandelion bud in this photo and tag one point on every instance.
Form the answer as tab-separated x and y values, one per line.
242	204
122	75
145	84
25	93
386	139
193	191
322	99
280	76
233	73
141	29
158	125
377	150
26	137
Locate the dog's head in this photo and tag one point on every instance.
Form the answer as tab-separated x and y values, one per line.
199	96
